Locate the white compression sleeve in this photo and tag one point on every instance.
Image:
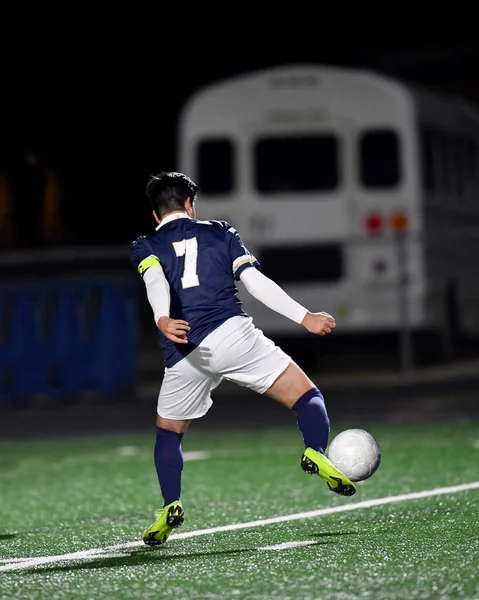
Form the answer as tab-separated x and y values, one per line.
158	291
269	293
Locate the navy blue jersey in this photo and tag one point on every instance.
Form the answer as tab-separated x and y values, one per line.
201	261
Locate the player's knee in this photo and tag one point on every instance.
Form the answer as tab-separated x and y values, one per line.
298	381
290	385
175	426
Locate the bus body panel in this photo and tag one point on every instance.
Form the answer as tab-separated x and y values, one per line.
311	164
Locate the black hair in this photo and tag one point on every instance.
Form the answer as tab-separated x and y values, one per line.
168	192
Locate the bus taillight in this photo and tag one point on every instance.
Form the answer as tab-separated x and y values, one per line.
399	221
374	223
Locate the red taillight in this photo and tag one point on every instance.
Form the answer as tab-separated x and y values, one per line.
374	223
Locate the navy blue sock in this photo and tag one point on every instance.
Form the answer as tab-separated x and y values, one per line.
313	420
169	463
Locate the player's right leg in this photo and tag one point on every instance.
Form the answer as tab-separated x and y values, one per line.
244	355
184	395
296	391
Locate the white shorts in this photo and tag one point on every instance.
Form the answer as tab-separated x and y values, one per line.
236	351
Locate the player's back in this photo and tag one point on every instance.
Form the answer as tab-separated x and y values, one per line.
201	260
195	258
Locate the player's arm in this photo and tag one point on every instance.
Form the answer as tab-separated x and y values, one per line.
273	296
245	267
157	291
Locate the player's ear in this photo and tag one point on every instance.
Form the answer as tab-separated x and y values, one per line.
189	207
155	216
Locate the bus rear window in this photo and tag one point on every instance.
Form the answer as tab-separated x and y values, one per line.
215	166
303	264
296	164
379	159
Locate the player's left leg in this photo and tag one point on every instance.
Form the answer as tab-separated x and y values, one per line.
169	468
184	395
296	391
243	354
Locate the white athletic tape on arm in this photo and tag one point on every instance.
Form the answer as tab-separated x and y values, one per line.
242	260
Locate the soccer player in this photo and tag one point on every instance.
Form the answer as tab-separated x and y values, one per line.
189	268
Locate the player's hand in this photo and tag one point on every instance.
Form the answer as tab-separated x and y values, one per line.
174	329
319	323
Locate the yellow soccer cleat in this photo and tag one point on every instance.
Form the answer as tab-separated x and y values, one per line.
315	463
168	518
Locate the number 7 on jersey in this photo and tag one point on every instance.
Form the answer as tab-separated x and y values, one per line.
188	249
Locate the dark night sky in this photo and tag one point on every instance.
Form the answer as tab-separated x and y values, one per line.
109	119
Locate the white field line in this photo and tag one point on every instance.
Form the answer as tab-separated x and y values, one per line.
196	455
112	551
188	455
288	545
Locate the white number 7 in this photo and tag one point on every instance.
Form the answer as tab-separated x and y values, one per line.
188	249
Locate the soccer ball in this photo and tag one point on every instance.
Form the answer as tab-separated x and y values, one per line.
356	453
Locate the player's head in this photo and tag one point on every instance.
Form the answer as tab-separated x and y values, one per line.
170	192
